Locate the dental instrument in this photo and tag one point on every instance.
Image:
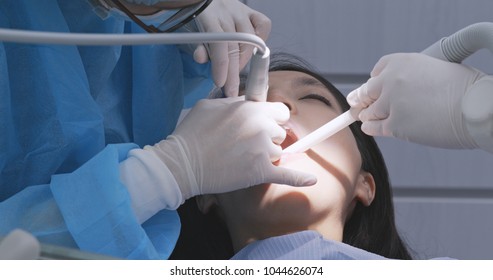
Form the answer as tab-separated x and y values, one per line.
257	80
325	131
21	245
454	48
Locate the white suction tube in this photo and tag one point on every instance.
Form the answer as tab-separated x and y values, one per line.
477	103
325	131
256	89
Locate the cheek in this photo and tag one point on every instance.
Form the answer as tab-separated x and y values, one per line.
311	116
331	183
337	155
335	162
342	150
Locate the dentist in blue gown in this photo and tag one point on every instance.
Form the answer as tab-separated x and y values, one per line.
90	157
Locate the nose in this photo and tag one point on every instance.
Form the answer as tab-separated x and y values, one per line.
278	96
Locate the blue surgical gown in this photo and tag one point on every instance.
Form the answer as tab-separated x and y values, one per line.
69	115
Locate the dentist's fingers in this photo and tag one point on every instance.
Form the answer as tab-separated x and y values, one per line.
278	111
286	176
276	132
253	23
201	55
380	65
261	24
232	82
366	94
378	106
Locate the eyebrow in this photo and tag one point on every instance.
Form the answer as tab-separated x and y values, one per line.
307	81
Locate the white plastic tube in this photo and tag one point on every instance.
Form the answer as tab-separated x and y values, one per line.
325	131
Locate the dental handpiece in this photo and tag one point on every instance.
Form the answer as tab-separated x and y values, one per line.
324	132
257	83
257	80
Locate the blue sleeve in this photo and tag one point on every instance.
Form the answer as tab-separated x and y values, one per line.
90	209
60	107
198	81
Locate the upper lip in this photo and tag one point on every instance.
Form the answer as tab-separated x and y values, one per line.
290	138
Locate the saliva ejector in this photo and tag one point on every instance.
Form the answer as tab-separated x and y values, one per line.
455	48
257	79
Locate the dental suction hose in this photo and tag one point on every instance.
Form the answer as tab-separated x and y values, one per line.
256	87
463	43
477	103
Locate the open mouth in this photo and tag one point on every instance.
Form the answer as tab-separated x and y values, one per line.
290	138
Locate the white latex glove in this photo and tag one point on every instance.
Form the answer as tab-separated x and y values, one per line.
221	145
228	59
227	144
19	245
416	98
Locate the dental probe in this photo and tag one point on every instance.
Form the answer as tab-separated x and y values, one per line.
324	132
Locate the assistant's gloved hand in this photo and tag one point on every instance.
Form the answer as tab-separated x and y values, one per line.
19	245
228	59
416	98
227	144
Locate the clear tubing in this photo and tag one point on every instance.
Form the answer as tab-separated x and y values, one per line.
325	131
256	89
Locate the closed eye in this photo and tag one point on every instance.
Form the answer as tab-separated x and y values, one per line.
317	97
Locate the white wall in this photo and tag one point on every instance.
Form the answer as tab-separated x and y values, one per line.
444	199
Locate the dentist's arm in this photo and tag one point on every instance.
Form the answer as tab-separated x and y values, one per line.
421	99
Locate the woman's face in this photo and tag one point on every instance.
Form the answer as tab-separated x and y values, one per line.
271	209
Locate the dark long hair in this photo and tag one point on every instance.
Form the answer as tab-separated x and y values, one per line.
371	228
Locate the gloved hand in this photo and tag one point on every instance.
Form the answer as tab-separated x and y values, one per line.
227	144
19	245
228	59
416	98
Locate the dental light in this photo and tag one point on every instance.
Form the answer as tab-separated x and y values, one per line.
477	104
257	80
